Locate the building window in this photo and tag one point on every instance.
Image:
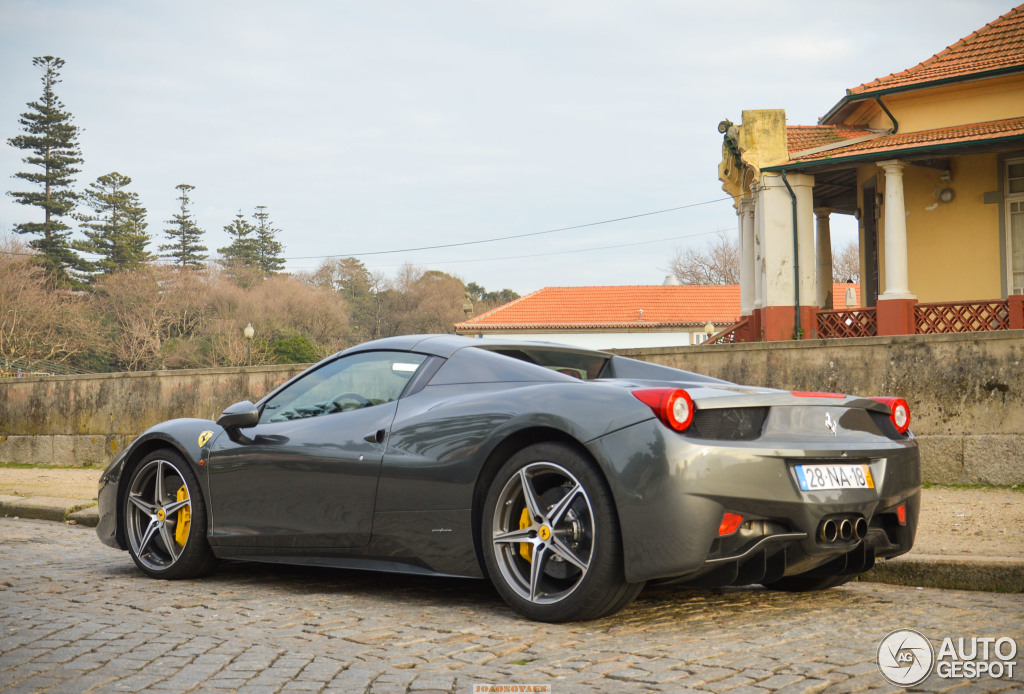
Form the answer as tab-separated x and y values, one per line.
700	338
1014	196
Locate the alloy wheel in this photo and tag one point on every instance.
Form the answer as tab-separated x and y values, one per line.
158	513
543	532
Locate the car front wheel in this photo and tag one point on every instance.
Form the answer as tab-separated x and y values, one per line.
165	518
551	537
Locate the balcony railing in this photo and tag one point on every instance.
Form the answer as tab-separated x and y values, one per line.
928	319
969	317
858	322
737	332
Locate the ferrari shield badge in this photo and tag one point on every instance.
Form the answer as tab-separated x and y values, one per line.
204	437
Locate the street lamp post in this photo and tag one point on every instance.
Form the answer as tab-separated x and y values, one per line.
249	332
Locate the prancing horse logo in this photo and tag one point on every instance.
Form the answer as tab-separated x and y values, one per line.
830	423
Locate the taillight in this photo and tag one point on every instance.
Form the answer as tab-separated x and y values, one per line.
901	514
673	406
899	412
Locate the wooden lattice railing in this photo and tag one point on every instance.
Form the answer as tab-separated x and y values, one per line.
737	332
962	317
929	319
859	322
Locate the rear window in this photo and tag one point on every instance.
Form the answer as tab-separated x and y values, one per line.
585	366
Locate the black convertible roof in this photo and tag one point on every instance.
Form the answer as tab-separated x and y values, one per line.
446	345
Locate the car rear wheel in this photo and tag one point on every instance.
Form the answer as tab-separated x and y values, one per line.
551	537
165	518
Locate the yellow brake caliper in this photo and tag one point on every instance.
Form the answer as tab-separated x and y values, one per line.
525	547
184	518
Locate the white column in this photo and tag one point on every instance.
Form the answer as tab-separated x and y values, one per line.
759	281
823	257
776	206
897	285
746	220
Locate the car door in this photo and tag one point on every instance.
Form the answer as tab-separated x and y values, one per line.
306	475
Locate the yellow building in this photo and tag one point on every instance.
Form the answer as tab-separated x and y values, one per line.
930	160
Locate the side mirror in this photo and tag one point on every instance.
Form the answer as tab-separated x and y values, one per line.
239	416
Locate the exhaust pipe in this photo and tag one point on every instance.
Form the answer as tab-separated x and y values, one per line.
845	529
860	529
828	531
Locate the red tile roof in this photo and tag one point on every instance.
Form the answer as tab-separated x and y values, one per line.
997	46
1011	128
567	308
839	295
615	307
803	137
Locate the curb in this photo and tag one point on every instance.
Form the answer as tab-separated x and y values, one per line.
79	511
992	574
962	572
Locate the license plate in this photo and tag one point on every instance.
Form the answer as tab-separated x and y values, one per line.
815	477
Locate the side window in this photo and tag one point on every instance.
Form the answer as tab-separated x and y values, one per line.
359	380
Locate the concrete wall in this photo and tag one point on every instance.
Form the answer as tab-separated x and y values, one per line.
87	420
966	394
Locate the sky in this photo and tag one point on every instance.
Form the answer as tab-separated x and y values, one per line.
372	128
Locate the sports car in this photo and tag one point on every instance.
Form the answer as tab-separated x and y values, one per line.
569	478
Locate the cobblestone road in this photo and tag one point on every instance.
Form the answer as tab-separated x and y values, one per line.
76	616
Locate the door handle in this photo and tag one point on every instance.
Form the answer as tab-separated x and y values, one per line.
376	437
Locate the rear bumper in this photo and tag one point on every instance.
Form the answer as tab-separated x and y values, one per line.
672	492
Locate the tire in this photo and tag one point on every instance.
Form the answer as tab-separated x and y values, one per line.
554	554
165	518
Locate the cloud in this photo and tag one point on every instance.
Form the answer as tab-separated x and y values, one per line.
378	125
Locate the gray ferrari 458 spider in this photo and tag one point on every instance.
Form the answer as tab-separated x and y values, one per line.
568	477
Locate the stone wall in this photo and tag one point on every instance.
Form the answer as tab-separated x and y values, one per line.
966	392
87	420
966	395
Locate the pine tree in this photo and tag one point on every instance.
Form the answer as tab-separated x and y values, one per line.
117	231
243	251
270	249
52	138
184	235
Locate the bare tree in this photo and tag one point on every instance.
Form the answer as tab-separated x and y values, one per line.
157	316
38	321
717	263
281	309
141	306
419	301
846	263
